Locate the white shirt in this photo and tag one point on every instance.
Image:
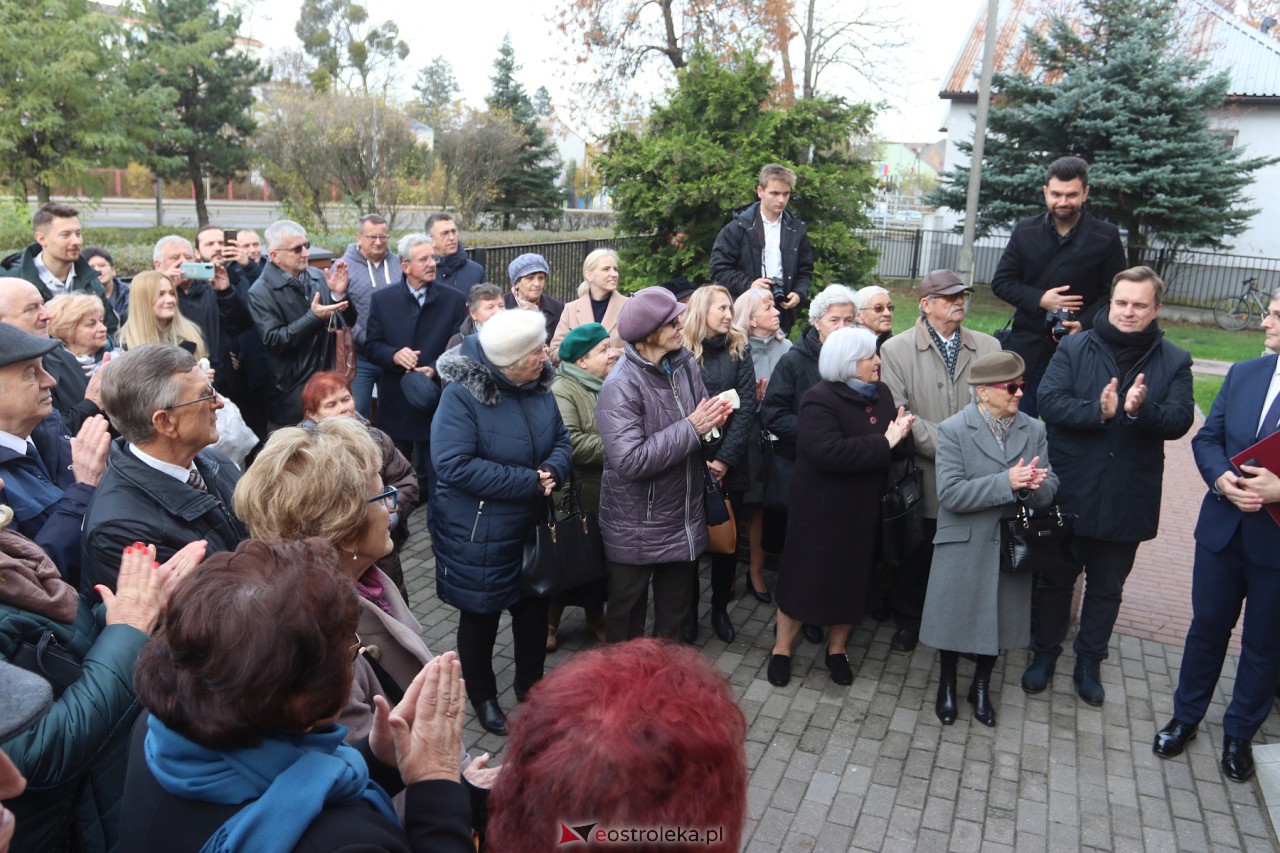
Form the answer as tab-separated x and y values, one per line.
9	441
177	472
772	261
50	280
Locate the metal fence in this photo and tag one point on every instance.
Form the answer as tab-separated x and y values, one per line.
564	258
1192	277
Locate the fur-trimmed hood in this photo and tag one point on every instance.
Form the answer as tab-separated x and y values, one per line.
466	365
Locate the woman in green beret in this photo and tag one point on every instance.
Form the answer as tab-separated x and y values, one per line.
586	358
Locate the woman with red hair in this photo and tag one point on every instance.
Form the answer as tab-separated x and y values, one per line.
637	740
328	395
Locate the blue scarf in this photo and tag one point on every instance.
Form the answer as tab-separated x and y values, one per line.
287	781
866	389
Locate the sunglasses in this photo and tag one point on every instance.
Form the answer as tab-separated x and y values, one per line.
880	309
299	249
1011	387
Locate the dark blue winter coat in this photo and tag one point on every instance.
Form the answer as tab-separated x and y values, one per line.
48	505
488	440
394	322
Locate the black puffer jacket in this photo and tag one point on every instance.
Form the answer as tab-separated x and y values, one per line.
1110	472
720	372
796	373
297	342
74	757
137	503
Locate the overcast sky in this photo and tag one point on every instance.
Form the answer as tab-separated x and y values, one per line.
469	33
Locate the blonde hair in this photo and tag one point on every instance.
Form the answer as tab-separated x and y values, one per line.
311	481
67	310
590	262
142	328
745	307
695	324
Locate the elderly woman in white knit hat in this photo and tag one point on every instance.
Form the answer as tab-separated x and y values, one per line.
652	414
990	458
498	446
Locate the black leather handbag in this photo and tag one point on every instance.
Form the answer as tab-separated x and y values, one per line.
564	549
1042	540
902	518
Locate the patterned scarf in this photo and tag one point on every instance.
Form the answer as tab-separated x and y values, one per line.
950	350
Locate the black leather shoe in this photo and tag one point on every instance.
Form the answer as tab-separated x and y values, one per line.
780	670
904	640
841	672
946	703
722	626
1088	682
690	631
1173	738
812	633
762	597
1038	675
980	699
490	716
1237	759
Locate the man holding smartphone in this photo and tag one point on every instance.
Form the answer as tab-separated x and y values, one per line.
205	297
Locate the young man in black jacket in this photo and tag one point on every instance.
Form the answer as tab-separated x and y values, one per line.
1062	261
766	246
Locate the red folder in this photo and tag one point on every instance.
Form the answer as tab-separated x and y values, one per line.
1263	454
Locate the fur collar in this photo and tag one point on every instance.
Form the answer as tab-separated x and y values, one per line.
482	381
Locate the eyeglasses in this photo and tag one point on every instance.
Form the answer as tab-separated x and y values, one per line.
880	309
356	647
389	498
212	395
299	249
950	297
1011	387
377	238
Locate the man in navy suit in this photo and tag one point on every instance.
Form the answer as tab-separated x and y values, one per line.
409	325
1237	557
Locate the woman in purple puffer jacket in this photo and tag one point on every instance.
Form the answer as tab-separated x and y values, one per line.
652	414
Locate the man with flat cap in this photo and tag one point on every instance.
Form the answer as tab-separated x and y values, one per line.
48	477
927	369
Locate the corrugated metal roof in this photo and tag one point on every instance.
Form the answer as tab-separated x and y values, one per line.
1223	39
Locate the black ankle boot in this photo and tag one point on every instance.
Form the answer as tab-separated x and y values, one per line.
946	705
980	699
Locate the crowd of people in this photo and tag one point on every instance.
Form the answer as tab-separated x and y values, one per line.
234	625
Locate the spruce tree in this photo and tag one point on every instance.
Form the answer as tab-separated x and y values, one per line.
189	48
1117	88
531	189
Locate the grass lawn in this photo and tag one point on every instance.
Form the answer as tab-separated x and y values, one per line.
989	314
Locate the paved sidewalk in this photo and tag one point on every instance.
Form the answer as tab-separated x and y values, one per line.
869	767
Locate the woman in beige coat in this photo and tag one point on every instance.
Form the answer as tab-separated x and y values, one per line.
598	300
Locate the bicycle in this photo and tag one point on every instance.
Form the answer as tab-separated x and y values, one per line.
1234	313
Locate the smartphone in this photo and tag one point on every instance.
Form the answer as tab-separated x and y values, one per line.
229	235
197	271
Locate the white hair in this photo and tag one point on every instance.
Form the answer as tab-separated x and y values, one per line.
157	254
842	350
408	241
865	294
832	294
280	229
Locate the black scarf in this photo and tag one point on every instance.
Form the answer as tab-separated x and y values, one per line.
1127	348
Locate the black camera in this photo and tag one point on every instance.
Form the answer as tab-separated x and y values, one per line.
1056	322
779	292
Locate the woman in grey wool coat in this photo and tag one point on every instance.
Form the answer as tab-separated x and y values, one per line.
990	456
